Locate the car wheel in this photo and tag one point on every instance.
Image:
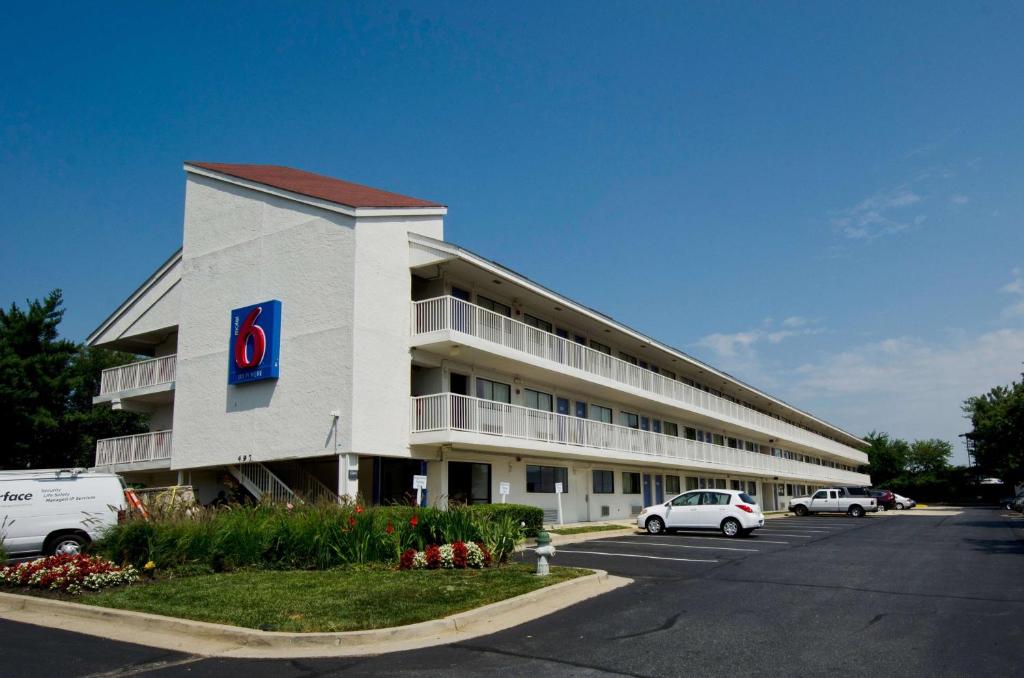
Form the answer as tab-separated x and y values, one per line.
856	511
65	545
732	528
655	525
900	506
800	510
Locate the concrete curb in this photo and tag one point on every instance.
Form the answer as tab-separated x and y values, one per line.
221	640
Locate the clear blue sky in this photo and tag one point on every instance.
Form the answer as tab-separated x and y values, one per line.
825	199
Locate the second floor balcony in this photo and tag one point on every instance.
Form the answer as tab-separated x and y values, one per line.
433	320
151	380
448	418
137	452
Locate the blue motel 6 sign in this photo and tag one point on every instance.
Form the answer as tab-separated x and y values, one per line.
255	346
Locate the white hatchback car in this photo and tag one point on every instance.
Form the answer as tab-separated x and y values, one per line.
735	513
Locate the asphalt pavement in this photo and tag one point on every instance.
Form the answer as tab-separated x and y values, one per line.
910	595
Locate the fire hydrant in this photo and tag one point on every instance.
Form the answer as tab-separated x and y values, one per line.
544	550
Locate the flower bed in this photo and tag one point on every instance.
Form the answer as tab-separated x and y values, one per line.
456	556
67	573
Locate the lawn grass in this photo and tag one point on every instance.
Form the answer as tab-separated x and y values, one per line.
343	599
583	529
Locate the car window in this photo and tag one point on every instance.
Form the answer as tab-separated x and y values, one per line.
833	494
856	492
691	499
746	498
715	499
820	494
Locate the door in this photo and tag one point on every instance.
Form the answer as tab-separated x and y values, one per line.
461	313
647	489
469	483
821	501
562	408
659	492
683	511
459	385
713	509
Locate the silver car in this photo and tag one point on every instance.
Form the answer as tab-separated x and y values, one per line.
903	502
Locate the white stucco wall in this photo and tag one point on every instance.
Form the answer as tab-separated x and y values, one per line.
242	247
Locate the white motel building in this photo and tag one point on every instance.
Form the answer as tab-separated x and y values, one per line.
315	338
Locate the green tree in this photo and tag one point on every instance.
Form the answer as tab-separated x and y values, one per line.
997	420
46	386
929	457
887	457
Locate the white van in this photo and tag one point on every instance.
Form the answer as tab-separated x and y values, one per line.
58	510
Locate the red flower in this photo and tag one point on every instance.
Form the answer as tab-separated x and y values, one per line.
406	561
433	554
389	529
351	521
414	521
459	553
359	509
487	554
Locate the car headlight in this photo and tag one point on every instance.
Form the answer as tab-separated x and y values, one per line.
643	512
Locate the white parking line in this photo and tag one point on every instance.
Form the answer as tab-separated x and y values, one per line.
792	529
679	546
785	534
635	555
701	536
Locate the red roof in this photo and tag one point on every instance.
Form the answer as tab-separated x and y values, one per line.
315	185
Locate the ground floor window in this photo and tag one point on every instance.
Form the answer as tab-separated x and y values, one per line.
469	483
671	429
543	478
599	413
719	483
736	485
604	482
752	488
672	484
691	483
630	482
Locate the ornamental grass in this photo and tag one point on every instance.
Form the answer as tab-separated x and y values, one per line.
308	536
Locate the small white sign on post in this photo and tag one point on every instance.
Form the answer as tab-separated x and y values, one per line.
504	489
419	483
558	493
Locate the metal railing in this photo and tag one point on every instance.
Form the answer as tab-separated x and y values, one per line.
449	411
132	449
262	482
449	313
138	375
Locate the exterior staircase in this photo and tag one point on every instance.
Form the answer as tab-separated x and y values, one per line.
267	486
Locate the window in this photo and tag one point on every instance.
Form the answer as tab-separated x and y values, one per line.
670	375
671	429
719	484
543	478
672	484
735	485
691	483
492	305
628	358
656	425
604	482
493	390
537	322
733	443
598	413
717	439
537	400
752	488
747	499
629	419
691	499
703	483
789	489
598	346
714	499
691	433
630	482
750	447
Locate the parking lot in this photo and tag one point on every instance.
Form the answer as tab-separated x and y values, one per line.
638	555
918	594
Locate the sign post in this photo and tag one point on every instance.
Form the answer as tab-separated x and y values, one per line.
419	483
558	493
503	490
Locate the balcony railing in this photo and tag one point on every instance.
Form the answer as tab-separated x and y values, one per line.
449	411
449	313
133	449
138	375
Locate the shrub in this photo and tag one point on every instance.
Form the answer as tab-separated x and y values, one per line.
531	516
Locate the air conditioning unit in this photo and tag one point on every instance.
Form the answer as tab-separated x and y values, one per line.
635	510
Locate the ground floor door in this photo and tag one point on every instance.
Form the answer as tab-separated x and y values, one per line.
659	490
647	489
469	482
770	497
392	480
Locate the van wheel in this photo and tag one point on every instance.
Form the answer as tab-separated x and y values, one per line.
65	545
856	511
655	525
731	527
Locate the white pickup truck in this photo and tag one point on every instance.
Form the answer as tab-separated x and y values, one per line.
852	500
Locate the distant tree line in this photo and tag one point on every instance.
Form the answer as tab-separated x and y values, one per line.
47	383
997	433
